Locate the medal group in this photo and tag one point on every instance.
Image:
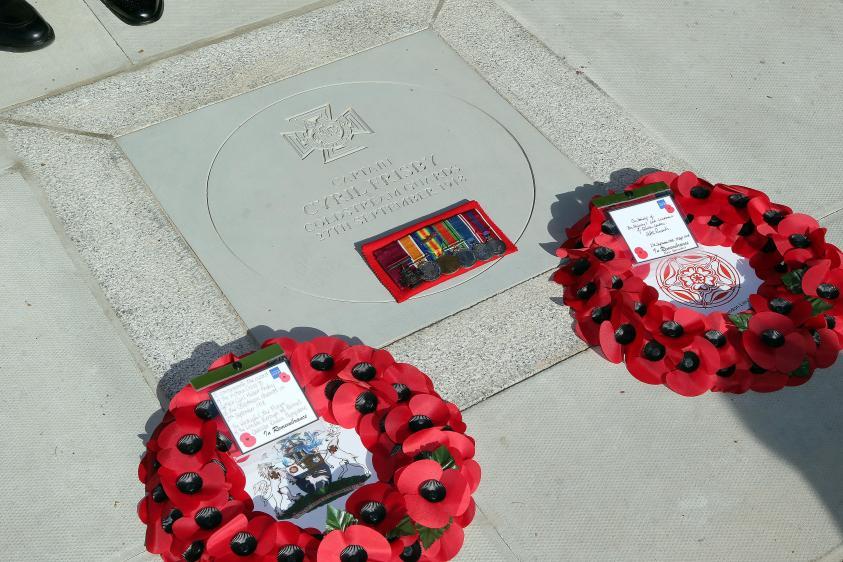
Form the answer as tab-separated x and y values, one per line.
430	252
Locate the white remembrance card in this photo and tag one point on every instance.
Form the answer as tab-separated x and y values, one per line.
264	406
653	229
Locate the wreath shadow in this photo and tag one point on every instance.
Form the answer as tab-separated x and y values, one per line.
803	426
570	206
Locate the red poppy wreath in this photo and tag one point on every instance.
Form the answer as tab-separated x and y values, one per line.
789	326
197	507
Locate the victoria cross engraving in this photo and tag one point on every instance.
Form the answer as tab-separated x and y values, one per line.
319	130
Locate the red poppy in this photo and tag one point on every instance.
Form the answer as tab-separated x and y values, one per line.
188	445
823	348
202	521
651	178
772	342
321	395
713	230
289	345
159	517
362	364
647	361
579	268
825	282
695	196
432	495
766	215
767	381
235	476
749	241
370	428
692	372
423	411
356	540
388	457
780	300
379	506
721	333
588	320
623	331
428	440
672	326
292	544
732	379
243	540
408	381
186	551
352	401
594	230
799	239
316	361
190	488
828	320
448	545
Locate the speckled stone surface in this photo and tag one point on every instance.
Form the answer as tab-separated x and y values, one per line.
162	295
171	307
176	85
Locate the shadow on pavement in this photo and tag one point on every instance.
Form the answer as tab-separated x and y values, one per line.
804	426
560	209
179	374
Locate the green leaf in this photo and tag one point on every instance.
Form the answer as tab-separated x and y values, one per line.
428	536
793	280
338	520
741	321
804	370
818	305
405	528
443	457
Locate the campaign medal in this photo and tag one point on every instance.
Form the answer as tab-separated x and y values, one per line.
449	263
481	251
466	258
430	270
410	277
496	246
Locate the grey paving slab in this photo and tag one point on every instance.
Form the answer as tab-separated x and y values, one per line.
583	462
74	401
746	92
184	82
279	227
82	51
188	22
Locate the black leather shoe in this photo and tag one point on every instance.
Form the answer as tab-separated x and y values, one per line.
136	12
22	28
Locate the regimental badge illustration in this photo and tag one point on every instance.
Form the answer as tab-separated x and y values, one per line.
319	130
306	470
699	279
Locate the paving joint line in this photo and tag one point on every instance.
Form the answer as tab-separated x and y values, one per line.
498	533
55	128
87	276
108	31
525	379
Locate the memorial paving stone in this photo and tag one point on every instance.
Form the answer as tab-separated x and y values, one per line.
276	189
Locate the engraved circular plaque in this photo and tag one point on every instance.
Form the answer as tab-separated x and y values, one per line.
296	188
